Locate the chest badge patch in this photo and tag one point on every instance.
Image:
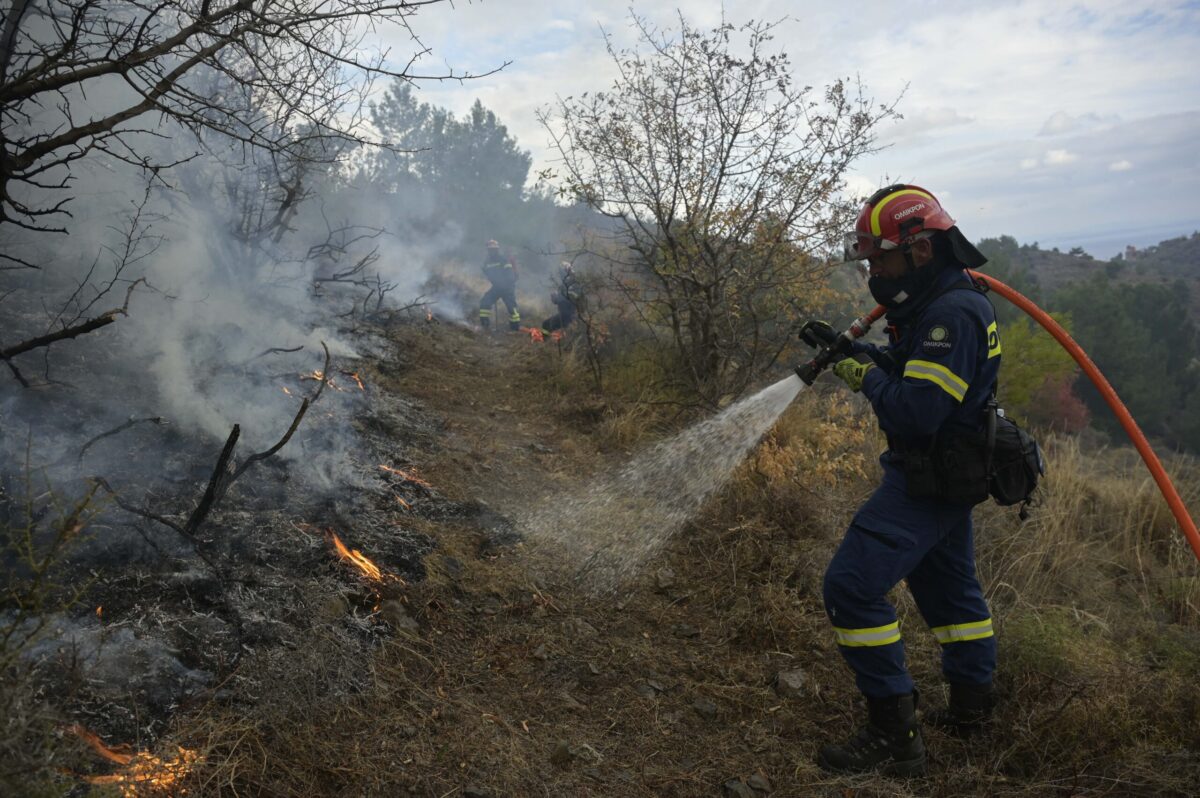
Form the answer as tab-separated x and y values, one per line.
937	341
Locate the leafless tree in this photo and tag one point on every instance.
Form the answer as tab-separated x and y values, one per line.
145	57
273	89
723	176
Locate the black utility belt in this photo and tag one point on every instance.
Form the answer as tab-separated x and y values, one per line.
954	470
965	467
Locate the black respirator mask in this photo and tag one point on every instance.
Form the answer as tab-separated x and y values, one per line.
894	292
950	249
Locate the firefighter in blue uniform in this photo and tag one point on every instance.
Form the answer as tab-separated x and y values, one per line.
929	384
502	274
566	296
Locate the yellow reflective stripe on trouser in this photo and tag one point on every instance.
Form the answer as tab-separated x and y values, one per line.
875	636
485	314
993	338
962	632
516	316
939	375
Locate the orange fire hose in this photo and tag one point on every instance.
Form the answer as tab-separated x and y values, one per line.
1186	524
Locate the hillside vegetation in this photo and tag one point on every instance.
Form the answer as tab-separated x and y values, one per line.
1138	319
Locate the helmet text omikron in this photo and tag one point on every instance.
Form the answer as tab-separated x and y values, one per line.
908	211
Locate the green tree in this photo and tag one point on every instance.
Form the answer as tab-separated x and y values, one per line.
1141	338
1032	358
1004	263
472	170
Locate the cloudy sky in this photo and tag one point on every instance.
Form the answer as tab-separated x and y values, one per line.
1057	122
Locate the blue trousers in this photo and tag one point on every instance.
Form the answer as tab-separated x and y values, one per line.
895	537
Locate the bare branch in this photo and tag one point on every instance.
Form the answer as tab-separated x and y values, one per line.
118	429
103	320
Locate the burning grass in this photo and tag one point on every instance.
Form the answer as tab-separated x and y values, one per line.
360	562
409	475
142	773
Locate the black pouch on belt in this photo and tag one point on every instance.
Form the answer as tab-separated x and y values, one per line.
921	474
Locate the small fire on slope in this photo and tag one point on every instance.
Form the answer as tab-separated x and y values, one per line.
360	561
535	335
354	376
355	558
319	376
142	773
407	476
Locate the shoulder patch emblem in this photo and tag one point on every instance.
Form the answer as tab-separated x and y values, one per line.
937	341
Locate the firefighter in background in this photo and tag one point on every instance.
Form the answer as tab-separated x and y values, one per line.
502	273
566	296
929	385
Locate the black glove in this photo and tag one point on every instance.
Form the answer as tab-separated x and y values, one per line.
818	334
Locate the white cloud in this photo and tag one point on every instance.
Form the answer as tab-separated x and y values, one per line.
860	186
1000	99
1061	123
1120	166
923	123
1059	157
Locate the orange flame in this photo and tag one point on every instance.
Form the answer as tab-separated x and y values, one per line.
285	390
356	558
428	314
100	611
318	375
404	504
535	334
408	476
143	773
354	376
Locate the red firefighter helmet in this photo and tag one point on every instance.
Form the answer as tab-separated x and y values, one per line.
895	217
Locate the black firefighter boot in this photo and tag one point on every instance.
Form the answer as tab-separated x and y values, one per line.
890	743
969	709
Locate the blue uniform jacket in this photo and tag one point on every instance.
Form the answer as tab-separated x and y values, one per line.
938	370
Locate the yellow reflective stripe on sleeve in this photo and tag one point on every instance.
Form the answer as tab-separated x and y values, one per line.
962	632
939	375
993	338
876	230
875	636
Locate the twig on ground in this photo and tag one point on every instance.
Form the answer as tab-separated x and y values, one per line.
131	422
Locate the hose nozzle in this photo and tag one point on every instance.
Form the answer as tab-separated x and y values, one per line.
838	347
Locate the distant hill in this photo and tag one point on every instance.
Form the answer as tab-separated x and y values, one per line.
1043	272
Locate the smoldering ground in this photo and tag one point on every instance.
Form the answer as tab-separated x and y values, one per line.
219	329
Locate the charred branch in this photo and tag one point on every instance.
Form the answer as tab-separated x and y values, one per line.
91	325
294	56
117	430
277	350
223	474
287	436
218	483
